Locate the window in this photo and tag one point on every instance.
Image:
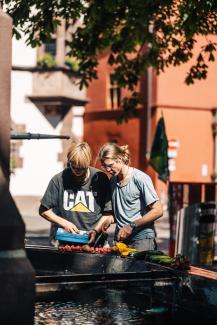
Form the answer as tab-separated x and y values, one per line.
115	96
50	47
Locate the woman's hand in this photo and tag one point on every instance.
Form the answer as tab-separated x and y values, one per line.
70	227
124	232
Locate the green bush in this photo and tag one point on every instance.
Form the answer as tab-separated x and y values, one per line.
72	63
47	61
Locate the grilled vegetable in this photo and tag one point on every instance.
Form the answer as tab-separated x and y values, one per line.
124	250
161	259
146	254
86	248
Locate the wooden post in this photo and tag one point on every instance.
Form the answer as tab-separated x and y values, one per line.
16	272
214	131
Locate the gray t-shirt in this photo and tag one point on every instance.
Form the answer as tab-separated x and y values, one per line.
131	201
84	204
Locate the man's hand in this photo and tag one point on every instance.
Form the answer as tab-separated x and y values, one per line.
124	232
92	233
70	227
106	223
53	217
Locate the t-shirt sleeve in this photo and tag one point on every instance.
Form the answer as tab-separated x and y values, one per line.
147	188
50	197
108	203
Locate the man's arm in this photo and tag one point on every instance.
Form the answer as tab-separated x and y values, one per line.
153	214
106	219
53	217
102	225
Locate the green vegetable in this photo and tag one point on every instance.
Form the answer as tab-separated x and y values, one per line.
145	254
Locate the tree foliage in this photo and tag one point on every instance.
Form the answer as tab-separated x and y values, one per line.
140	34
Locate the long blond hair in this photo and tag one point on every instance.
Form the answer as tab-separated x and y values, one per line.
114	151
79	154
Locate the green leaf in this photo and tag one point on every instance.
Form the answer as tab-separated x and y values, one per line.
210	47
200	58
138	34
16	33
211	57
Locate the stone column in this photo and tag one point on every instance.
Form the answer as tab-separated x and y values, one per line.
78	122
60	43
16	272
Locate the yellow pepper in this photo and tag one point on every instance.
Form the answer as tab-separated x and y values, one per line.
124	250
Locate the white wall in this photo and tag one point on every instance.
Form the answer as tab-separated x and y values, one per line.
39	156
22	55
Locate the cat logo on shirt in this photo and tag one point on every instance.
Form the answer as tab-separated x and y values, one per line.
82	201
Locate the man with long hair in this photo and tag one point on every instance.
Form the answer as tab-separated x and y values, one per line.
135	202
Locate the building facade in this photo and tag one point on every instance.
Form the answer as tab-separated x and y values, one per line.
45	99
189	113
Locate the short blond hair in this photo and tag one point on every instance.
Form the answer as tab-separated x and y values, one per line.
79	154
114	151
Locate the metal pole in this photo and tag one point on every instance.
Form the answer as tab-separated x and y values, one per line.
35	136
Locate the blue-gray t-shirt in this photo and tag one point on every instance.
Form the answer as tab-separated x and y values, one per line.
131	201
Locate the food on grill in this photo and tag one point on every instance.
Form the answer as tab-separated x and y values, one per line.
179	262
124	250
85	248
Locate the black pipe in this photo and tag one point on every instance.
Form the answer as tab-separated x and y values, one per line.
35	136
